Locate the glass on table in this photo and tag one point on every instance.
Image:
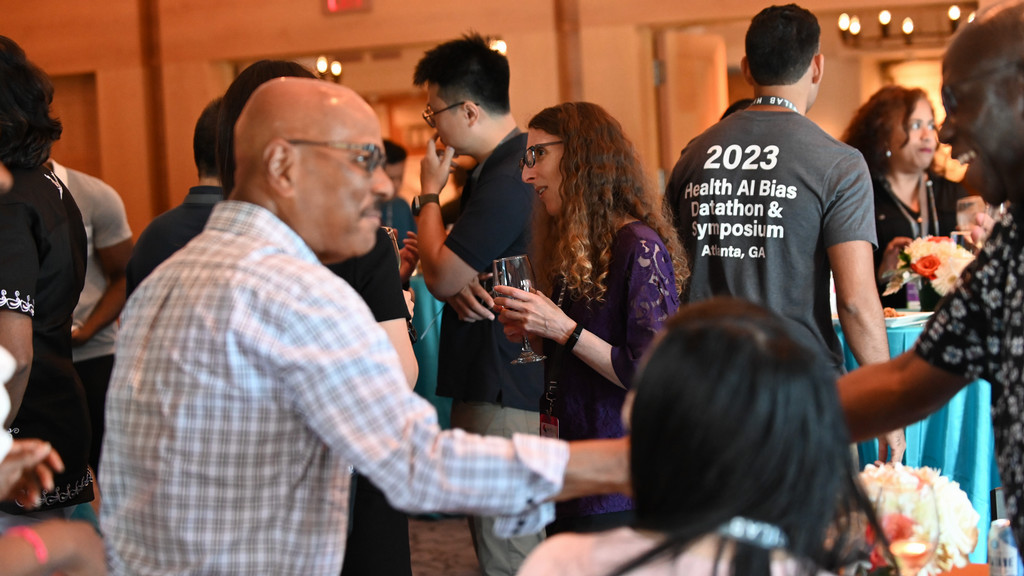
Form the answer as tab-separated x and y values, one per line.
909	515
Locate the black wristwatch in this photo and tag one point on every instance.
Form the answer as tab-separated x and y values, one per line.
419	201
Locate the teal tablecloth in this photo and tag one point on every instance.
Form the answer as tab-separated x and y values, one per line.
956	439
427	320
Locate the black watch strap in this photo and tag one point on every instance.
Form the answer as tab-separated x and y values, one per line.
419	201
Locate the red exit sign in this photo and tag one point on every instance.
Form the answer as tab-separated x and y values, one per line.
338	6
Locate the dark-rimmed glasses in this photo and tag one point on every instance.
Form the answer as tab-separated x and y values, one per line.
949	97
429	113
369	156
529	159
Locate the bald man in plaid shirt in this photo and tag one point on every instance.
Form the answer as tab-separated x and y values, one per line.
251	378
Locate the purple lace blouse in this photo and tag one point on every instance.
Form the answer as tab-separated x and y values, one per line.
641	296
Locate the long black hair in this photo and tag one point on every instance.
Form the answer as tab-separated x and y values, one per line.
27	130
733	419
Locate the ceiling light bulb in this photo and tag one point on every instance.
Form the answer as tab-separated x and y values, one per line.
908	26
884	17
844	21
321	64
855	25
954	12
499	46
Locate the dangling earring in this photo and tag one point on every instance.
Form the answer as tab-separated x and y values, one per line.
888	153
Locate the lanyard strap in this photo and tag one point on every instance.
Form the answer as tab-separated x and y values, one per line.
775	101
928	218
554	369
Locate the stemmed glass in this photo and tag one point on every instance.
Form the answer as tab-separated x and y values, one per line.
393	236
909	515
517	272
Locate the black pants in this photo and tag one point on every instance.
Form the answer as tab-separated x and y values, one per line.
379	541
95	376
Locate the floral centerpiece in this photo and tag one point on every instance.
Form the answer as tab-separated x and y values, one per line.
957	521
936	262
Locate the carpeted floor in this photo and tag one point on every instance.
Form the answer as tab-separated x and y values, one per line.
442	547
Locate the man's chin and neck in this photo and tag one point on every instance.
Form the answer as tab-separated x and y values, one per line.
354	248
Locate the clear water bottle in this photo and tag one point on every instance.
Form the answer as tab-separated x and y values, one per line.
1003	556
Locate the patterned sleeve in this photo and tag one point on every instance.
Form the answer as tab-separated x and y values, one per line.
19	259
652	298
963	337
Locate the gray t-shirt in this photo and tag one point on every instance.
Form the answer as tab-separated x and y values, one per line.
106	224
758	199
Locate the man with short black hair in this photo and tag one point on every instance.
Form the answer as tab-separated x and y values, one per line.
767	204
467	102
168	232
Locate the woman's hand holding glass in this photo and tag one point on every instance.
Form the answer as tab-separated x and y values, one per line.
531	314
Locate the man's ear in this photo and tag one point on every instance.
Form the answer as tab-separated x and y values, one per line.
472	112
818	68
280	162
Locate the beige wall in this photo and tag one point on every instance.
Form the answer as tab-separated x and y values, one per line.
155	64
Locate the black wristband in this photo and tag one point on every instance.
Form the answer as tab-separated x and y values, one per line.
570	343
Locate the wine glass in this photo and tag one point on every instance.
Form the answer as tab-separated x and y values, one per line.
517	272
909	515
393	236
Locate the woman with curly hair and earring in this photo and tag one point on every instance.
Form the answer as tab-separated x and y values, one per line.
895	131
614	267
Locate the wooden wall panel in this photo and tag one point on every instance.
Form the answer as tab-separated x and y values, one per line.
74	102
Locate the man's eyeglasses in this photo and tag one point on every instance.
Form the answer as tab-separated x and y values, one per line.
948	95
369	156
529	160
429	113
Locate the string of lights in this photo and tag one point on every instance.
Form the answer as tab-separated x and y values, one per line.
934	25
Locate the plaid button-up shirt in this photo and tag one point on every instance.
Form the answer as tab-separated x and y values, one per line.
248	380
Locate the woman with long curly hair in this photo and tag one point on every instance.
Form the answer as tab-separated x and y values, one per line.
895	131
614	267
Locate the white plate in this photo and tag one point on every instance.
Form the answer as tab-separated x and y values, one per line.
908	318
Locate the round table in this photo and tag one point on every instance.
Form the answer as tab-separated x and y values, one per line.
956	439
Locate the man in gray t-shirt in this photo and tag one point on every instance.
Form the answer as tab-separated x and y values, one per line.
767	204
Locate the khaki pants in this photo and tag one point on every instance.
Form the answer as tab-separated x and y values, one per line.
497	556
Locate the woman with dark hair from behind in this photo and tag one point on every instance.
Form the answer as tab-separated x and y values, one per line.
615	267
895	131
42	270
739	458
